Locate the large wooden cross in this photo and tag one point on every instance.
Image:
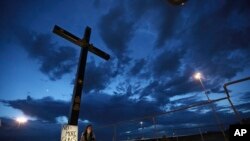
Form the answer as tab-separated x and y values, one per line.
79	80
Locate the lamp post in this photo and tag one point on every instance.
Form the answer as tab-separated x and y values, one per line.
141	123
198	76
21	120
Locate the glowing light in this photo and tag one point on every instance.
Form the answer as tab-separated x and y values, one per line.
21	120
197	75
141	122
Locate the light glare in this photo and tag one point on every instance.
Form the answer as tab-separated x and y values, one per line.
21	120
197	75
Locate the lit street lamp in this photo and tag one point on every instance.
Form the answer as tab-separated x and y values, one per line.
21	120
141	128
198	76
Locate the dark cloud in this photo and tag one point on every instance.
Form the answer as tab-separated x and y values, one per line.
206	45
138	67
167	26
170	85
218	43
99	76
55	61
43	109
115	109
213	40
163	17
116	31
157	90
96	3
245	96
14	15
93	107
243	109
167	63
32	130
203	44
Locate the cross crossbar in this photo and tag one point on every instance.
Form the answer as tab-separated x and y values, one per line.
80	42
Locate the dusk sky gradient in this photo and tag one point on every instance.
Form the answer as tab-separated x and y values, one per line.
155	49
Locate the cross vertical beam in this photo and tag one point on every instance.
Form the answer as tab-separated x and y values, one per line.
79	80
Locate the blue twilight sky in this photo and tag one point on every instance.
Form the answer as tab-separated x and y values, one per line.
155	49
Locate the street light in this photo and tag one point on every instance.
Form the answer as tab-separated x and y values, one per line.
141	122
141	128
21	120
198	76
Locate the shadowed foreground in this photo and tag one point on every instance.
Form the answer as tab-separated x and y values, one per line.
211	136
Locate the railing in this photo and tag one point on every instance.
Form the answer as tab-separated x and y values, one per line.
195	121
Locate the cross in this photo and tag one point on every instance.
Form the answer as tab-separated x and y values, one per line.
79	81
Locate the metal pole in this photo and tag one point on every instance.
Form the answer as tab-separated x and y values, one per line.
141	130
202	138
228	97
114	136
154	122
213	110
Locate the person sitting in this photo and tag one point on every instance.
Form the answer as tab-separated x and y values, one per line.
88	134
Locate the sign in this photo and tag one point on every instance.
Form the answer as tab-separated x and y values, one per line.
69	133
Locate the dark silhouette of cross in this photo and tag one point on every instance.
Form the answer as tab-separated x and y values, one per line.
79	81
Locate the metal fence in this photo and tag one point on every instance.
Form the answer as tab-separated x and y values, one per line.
182	123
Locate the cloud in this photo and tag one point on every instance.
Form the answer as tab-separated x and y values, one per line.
245	96
54	60
116	31
93	108
216	43
115	108
98	77
118	26
168	85
162	17
32	130
14	15
167	26
204	44
138	66
167	63
198	41
46	109
184	50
